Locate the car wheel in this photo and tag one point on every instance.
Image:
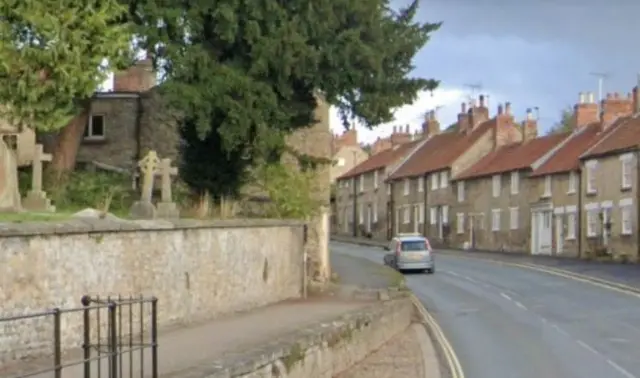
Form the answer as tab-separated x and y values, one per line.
431	271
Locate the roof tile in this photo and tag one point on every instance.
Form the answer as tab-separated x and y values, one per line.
512	157
381	159
623	135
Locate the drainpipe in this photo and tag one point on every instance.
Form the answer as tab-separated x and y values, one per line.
424	205
578	227
355	207
392	211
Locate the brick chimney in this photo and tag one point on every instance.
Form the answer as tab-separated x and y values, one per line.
504	129
430	126
478	114
399	136
585	111
614	106
529	127
463	119
138	78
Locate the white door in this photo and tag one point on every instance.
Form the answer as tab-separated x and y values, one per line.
606	216
559	234
416	214
544	227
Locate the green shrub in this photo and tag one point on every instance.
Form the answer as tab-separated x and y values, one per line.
95	189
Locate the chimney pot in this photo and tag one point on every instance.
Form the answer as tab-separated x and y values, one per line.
395	129
582	98
616	95
432	115
463	108
407	129
591	98
529	114
481	101
609	96
500	110
507	108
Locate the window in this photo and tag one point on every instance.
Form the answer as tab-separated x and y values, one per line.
445	214
547	186
571	223
626	215
406	187
420	184
496	186
444	179
627	164
434	181
434	216
11	140
513	218
95	127
361	183
375	179
592	223
406	214
460	222
375	212
388	189
420	213
573	179
340	162
361	215
495	220
591	176
515	183
460	191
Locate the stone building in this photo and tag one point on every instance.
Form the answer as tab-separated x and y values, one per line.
346	153
437	160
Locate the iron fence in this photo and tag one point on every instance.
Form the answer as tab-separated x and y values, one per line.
119	338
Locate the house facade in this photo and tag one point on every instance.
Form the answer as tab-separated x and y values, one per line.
347	153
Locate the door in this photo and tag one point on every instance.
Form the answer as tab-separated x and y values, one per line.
559	234
606	218
369	217
544	232
440	226
416	219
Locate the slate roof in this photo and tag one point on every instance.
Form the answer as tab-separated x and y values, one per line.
381	159
512	157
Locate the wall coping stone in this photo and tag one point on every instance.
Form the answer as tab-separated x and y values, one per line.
93	226
245	361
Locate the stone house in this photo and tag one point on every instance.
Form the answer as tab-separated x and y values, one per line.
609	191
441	157
362	198
494	196
346	153
555	180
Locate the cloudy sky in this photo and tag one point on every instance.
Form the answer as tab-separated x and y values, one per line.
533	53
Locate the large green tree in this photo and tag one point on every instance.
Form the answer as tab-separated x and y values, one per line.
565	123
250	72
54	55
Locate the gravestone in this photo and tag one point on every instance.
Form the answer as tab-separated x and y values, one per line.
36	199
166	207
9	193
143	208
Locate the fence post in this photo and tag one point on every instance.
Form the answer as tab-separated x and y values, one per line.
113	341
154	337
57	347
86	337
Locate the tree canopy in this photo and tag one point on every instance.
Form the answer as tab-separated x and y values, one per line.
250	72
565	123
53	55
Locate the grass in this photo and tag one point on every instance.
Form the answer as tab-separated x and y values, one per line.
33	217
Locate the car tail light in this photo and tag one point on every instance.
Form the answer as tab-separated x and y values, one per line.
398	249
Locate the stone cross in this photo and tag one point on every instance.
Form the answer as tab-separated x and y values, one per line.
38	157
148	168
166	170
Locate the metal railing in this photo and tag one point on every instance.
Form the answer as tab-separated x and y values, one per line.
112	345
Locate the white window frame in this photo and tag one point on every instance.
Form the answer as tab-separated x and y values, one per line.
460	222
514	214
573	181
626	216
360	214
591	166
515	182
495	220
406	214
495	186
460	191
389	189
433	217
444	179
592	219
406	186
421	213
375	179
445	214
341	162
626	169
420	184
434	181
89	128
361	183
571	225
375	212
547	186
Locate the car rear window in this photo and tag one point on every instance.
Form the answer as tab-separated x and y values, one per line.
413	245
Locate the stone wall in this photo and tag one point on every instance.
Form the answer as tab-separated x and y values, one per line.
196	270
319	351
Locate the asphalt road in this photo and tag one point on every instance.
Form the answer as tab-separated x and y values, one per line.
509	322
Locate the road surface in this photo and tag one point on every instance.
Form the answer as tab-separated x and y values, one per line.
509	322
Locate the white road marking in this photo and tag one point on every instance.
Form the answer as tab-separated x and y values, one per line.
557	328
505	296
469	279
587	347
520	305
620	369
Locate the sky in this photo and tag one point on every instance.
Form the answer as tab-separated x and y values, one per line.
532	53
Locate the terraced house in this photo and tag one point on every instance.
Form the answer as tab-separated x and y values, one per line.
362	196
555	182
440	157
609	188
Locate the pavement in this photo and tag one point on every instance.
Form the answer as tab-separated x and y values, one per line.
505	321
